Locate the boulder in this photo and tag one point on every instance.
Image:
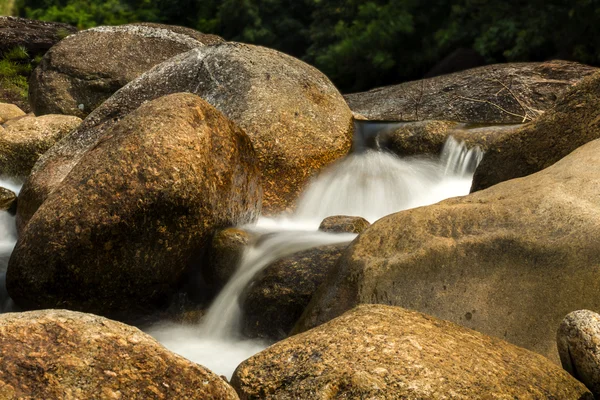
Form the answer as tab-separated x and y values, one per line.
59	354
539	144
344	224
9	111
278	295
34	36
224	255
383	352
83	70
578	340
8	200
296	119
26	139
493	94
129	225
509	261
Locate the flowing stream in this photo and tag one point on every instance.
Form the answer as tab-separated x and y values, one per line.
366	183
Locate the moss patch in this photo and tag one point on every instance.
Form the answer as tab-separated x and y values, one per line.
15	67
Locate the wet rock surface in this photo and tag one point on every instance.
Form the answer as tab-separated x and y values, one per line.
509	261
578	340
278	295
59	354
85	69
8	200
225	253
23	141
134	217
383	352
296	119
493	94
571	123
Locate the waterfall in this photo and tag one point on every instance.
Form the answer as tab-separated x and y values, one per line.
8	239
367	183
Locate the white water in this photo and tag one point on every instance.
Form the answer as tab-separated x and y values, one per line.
370	184
8	239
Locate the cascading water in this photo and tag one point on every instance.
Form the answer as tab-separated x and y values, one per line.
367	183
8	239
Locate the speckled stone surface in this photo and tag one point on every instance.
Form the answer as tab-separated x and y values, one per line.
494	94
85	69
35	36
8	200
571	123
383	352
509	261
224	255
578	340
296	119
59	354
137	212
26	139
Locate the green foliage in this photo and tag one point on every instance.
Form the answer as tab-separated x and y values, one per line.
360	44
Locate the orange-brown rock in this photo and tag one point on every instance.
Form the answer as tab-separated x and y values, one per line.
296	119
133	218
344	224
9	111
509	261
383	352
26	139
573	122
59	354
84	69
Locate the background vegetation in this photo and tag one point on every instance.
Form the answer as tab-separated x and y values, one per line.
361	44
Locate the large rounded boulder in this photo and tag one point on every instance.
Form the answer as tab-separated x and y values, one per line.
84	69
296	119
136	213
59	354
509	261
383	352
493	94
539	144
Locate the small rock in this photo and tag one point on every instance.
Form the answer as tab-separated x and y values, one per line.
9	111
344	223
579	347
224	255
27	138
8	200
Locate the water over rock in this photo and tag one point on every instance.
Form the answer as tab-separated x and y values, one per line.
578	340
383	352
493	94
26	139
539	144
509	261
136	213
344	224
59	354
297	120
85	69
224	255
278	295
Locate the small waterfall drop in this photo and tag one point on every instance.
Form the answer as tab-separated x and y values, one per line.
366	183
8	239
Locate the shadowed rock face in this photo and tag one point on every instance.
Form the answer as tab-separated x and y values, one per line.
35	36
296	119
85	69
135	214
383	352
571	123
509	261
501	93
59	354
578	340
